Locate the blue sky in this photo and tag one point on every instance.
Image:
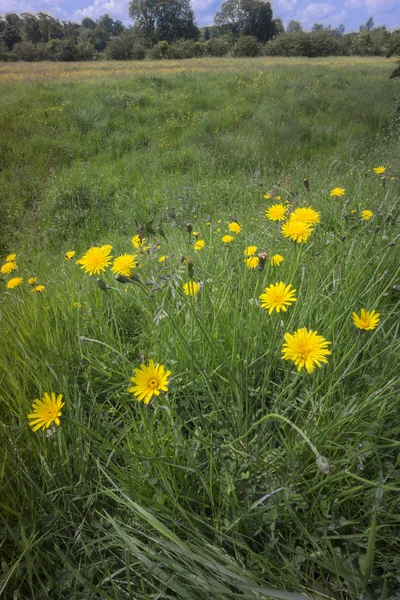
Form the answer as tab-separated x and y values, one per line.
352	13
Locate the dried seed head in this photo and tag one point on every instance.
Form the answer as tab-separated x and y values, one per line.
323	464
262	257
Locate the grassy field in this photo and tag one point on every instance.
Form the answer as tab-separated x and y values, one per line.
247	478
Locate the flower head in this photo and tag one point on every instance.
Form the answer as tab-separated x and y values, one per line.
277	296
11	257
199	245
227	239
252	262
163	258
14	282
8	267
235	227
191	288
307	215
149	381
250	250
379	170
32	280
337	191
366	215
45	411
70	254
124	264
366	320
305	349
276	212
139	242
39	288
267	196
297	230
276	260
95	260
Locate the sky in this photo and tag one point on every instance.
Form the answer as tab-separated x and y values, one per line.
350	13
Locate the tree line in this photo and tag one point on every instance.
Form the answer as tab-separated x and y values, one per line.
167	29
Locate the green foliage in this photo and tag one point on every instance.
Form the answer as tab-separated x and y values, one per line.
246	45
247	17
213	490
164	20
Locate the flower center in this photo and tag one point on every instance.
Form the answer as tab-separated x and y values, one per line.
153	383
303	350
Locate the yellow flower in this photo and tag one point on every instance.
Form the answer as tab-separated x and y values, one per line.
70	254
276	260
45	411
11	257
366	214
366	320
191	288
305	349
379	170
235	227
95	260
267	196
195	234
277	296
337	191
139	242
32	280
250	250
150	380
199	244
163	258
39	288
124	264
276	212
8	267
227	239
353	212
77	305
306	215
277	197
14	282
297	230
251	262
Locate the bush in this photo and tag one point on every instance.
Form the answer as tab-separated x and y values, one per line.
159	51
119	48
247	45
217	47
63	50
85	51
138	51
186	49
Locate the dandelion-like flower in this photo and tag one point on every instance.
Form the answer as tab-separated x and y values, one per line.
191	288
199	245
306	349
124	264
297	230
306	215
276	212
252	262
379	170
267	196
227	239
14	282
366	215
95	260
39	288
8	267
149	381
32	280
337	191
11	257
70	254
45	411
277	297
366	320
235	227
250	250
139	242
163	258
276	260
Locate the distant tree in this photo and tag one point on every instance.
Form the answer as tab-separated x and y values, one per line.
106	22
63	50
294	26
206	34
50	28
100	38
10	33
247	17
369	25
247	45
278	26
318	27
167	20
30	29
88	23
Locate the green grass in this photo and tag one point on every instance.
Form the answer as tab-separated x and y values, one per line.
213	490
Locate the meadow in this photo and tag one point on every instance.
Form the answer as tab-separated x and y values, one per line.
148	212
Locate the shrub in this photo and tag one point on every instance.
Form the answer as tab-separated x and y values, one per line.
138	51
119	48
247	45
217	47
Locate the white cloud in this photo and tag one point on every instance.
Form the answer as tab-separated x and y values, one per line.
318	10
381	6
116	9
286	4
353	4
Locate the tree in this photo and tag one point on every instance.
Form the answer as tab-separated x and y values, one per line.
318	27
88	23
278	25
294	26
247	17
30	29
10	33
369	25
164	20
